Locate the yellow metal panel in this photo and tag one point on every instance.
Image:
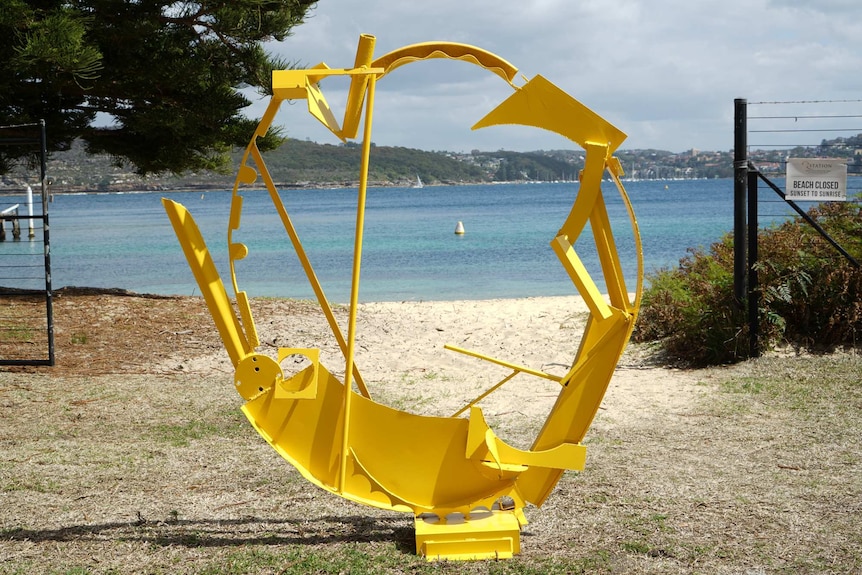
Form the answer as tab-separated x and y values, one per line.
452	50
289	84
482	443
541	104
581	278
589	190
303	385
208	279
246	175
423	461
256	374
304	432
319	108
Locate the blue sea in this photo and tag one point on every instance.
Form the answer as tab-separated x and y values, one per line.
410	250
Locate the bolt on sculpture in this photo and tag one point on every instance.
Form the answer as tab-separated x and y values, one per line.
465	487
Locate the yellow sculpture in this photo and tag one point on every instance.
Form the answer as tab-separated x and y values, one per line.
465	487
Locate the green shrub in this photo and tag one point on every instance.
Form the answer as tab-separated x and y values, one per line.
810	295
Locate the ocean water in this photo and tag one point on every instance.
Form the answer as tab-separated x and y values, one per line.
410	249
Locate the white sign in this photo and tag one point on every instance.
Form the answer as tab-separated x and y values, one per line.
816	180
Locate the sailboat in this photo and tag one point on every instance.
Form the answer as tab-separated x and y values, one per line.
418	183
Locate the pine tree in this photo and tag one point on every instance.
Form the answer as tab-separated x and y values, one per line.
164	73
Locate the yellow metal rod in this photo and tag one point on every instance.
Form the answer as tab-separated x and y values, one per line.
608	256
516	367
267	119
635	305
306	264
354	287
488	392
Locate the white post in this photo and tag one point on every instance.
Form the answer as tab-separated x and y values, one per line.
32	234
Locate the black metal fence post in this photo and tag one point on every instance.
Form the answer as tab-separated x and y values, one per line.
753	296
49	296
740	184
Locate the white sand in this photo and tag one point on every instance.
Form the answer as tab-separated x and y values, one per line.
400	355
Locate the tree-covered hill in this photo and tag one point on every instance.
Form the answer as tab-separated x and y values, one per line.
308	164
300	162
294	163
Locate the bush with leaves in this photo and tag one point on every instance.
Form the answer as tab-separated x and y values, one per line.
810	294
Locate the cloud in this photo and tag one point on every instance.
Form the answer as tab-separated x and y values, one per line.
822	6
666	71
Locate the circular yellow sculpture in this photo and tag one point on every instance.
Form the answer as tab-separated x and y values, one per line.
465	486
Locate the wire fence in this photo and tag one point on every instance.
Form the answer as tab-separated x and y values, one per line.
767	135
26	313
779	130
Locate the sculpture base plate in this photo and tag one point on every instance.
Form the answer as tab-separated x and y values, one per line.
484	535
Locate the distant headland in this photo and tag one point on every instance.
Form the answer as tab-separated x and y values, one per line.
306	164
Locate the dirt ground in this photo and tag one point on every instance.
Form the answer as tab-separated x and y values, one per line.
131	456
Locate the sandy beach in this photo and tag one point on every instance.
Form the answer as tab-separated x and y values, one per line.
401	356
399	351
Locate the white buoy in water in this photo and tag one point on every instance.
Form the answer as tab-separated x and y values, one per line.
459	229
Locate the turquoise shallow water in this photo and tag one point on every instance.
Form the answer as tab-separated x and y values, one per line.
410	251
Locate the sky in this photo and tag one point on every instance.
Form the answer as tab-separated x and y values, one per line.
665	72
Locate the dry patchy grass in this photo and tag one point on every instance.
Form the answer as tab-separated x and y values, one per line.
122	460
